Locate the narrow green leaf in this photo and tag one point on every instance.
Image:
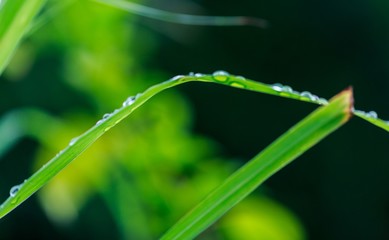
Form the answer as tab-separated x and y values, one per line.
183	18
15	20
55	165
285	149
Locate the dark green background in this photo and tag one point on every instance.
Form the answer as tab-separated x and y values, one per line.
339	189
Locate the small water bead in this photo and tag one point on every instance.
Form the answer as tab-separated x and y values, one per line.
287	89
105	117
314	98
130	100
323	101
199	75
240	77
277	87
175	78
14	190
221	76
192	74
306	94
237	85
73	141
372	114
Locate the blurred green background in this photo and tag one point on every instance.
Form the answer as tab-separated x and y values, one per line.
144	174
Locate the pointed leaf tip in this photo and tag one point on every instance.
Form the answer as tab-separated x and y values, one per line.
346	100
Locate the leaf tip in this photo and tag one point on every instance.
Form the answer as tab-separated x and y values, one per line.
347	98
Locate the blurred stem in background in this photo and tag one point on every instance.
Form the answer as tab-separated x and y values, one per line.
100	54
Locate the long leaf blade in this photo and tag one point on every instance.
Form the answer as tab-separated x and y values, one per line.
15	19
285	149
180	18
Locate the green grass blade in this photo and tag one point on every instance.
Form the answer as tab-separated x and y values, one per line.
55	165
183	18
21	192
15	19
372	118
285	149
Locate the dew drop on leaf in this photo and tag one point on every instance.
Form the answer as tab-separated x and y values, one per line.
14	190
306	94
277	87
105	117
221	76
73	141
199	75
240	77
372	114
129	101
323	101
176	78
287	89
237	85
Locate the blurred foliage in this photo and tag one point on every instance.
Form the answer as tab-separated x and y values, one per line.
145	173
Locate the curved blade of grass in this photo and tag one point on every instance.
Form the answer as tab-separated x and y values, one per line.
184	18
55	165
285	149
287	92
372	118
15	19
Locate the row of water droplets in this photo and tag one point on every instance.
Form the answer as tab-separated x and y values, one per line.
305	95
371	114
223	76
129	101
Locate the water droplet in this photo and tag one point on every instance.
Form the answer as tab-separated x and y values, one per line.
199	75
310	96
287	89
221	76
178	77
59	153
129	101
306	94
323	101
14	190
240	77
237	85
372	114
105	117
387	122
73	141
191	74
314	98
277	87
